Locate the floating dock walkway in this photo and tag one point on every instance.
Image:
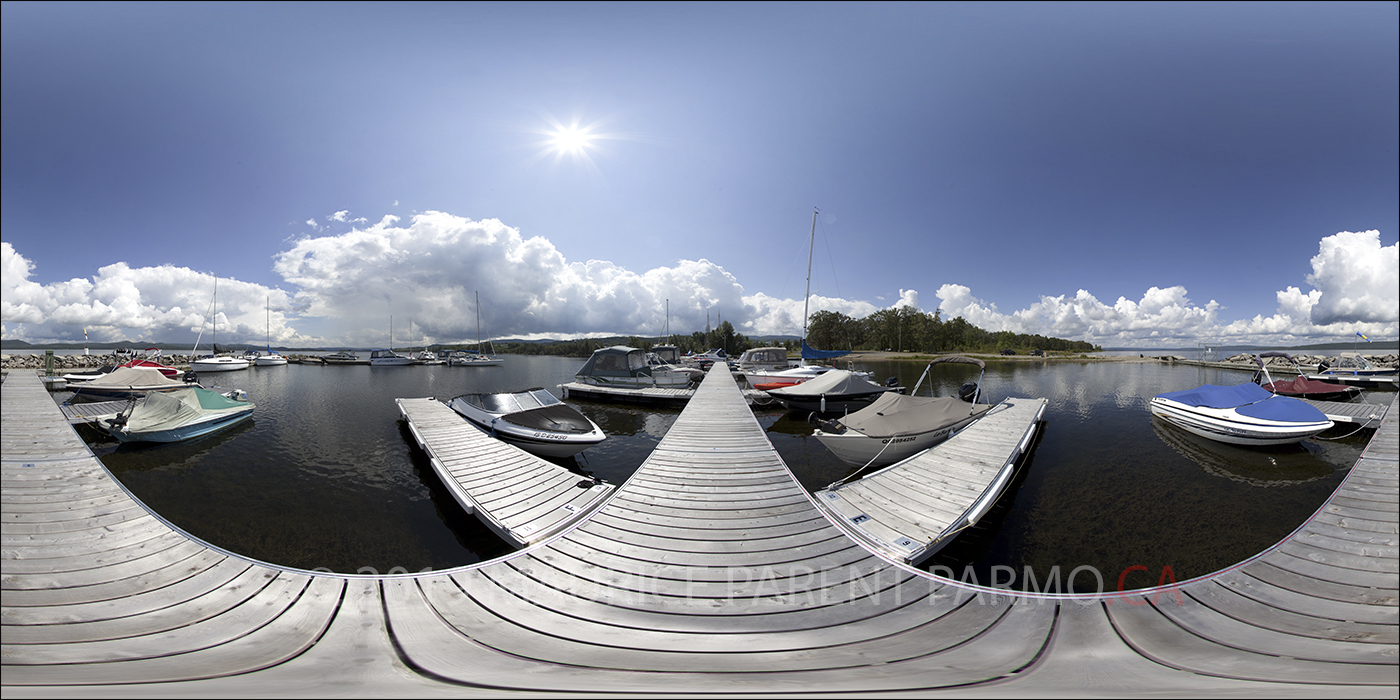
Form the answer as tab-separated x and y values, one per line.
711	571
521	497
651	396
911	509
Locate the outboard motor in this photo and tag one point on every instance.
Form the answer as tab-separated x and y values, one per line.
892	381
191	377
967	391
832	427
1323	366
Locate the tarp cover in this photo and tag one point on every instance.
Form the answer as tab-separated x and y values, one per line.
172	409
1212	396
135	376
834	383
896	414
811	353
616	361
1248	400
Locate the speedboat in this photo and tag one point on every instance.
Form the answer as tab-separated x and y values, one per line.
148	361
1243	414
705	360
1300	387
895	427
428	357
533	420
389	358
127	382
181	414
835	391
344	357
627	368
1351	364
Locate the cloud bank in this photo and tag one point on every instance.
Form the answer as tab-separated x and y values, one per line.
347	290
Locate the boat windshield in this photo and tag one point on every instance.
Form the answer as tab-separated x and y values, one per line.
513	403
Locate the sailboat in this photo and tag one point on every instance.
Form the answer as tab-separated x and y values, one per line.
474	359
215	362
271	359
758	366
389	358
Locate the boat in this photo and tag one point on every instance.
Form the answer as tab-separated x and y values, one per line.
896	426
533	420
835	391
216	362
389	358
704	360
149	360
626	367
127	382
1243	414
177	415
428	357
1350	364
462	358
344	357
271	359
1300	387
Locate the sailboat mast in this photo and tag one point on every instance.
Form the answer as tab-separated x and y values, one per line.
808	294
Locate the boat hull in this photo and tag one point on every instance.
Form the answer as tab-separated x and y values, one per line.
187	432
219	364
1229	426
859	450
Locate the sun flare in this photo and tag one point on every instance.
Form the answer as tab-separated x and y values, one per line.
571	139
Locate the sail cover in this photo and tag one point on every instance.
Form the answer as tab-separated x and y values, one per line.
811	353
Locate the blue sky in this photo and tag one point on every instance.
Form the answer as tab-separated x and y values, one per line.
1130	174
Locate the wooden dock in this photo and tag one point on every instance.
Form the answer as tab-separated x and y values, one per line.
523	498
711	571
911	509
91	412
1350	412
649	396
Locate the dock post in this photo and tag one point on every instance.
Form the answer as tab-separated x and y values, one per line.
48	363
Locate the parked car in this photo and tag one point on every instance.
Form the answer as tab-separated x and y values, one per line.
1038	353
1008	351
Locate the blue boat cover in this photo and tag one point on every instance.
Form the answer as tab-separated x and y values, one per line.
811	353
1249	400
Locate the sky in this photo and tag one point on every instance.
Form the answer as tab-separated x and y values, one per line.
1128	174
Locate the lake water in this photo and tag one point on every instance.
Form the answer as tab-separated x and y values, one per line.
327	476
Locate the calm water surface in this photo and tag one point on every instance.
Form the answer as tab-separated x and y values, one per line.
327	476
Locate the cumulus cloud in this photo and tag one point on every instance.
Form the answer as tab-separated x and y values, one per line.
430	268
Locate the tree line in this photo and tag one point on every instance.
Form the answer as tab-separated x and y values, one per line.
903	329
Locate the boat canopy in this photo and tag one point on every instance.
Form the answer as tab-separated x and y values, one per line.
1249	400
894	414
831	383
811	353
173	409
616	361
143	377
775	355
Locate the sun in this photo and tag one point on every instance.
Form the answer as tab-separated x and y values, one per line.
571	140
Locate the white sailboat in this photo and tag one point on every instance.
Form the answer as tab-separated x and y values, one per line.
216	362
271	359
474	359
389	358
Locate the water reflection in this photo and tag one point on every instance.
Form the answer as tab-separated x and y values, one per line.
1282	465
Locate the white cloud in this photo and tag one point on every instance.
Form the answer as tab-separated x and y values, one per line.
429	269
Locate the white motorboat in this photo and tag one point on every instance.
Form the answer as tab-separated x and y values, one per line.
184	413
462	358
626	367
389	358
895	427
1351	364
533	420
127	382
1243	414
428	357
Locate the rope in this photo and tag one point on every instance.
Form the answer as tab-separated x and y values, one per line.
848	477
1343	437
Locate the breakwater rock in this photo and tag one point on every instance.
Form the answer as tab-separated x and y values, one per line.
1310	362
64	363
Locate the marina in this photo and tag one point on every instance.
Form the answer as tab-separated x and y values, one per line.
710	567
